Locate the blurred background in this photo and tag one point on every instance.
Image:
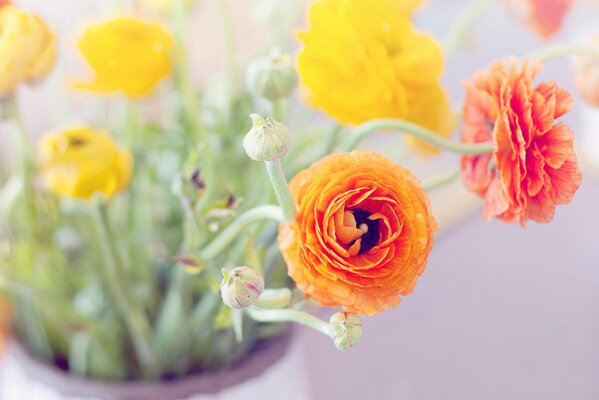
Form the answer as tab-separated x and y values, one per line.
502	312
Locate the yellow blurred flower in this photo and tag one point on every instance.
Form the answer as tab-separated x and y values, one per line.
27	48
128	55
165	6
5	319
363	60
81	162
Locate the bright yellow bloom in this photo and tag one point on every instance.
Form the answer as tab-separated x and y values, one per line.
363	60
128	55
27	48
81	162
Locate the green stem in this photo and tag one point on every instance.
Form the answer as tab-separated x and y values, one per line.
417	131
563	50
462	25
135	322
274	298
279	184
441	180
230	233
229	36
278	110
287	315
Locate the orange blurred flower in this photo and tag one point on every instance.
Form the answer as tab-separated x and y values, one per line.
586	75
533	167
544	16
5	317
362	235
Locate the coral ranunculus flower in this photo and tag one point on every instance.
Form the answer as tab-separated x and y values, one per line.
544	16
533	167
362	235
81	162
27	48
363	60
128	55
5	319
586	75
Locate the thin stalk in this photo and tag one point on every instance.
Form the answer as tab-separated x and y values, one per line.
416	131
229	35
278	110
462	25
441	180
279	184
230	233
274	298
135	322
300	317
562	50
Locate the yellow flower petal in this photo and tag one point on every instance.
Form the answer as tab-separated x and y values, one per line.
81	162
27	48
127	55
363	60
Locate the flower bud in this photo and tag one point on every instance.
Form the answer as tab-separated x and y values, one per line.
241	287
272	77
346	330
268	139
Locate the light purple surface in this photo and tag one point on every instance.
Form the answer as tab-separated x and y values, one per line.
500	313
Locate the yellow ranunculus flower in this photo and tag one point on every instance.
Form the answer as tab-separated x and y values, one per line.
27	48
363	60
81	162
128	55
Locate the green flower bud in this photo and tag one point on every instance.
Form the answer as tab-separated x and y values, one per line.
272	77
345	330
268	139
241	287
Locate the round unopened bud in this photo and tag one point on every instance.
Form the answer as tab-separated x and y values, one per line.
346	330
268	139
272	77
241	287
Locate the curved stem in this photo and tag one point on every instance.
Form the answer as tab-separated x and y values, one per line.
563	50
279	184
441	180
417	131
462	25
300	317
230	233
274	298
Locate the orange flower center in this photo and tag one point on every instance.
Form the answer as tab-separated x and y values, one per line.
353	226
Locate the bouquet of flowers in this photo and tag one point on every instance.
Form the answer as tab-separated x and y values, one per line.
142	247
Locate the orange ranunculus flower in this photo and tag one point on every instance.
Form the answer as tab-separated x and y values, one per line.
533	167
5	318
544	16
362	235
586	75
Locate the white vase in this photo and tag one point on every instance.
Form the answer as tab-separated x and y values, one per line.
274	371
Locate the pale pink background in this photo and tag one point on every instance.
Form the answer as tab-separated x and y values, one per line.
501	312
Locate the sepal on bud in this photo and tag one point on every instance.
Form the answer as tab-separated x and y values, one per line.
241	287
268	140
345	330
